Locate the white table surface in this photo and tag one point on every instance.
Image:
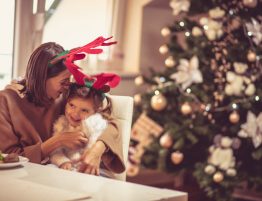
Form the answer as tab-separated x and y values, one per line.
39	183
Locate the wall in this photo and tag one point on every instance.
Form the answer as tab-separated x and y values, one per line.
151	38
132	34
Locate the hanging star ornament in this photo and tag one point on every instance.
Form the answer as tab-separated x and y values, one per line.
188	72
255	28
252	129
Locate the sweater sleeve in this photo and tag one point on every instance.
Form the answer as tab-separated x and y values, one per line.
113	159
10	141
58	157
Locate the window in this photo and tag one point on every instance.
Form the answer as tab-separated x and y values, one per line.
7	10
76	23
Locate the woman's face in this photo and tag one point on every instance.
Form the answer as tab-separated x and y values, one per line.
78	109
57	85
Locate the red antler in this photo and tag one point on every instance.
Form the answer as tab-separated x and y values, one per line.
105	81
77	54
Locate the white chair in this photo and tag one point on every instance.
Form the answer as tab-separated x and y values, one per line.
123	112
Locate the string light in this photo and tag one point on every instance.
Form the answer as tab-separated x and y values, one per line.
181	24
208	107
157	92
231	12
249	33
162	79
234	106
257	98
187	34
188	90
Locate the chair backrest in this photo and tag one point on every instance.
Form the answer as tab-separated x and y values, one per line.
123	112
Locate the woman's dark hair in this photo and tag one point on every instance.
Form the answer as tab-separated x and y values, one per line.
38	71
80	91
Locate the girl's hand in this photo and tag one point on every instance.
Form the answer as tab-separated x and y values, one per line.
66	166
91	159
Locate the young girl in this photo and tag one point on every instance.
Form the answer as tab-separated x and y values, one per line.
84	113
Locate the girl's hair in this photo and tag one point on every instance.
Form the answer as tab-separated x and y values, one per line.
80	91
38	71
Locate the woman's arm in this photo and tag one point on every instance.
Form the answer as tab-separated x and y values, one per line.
71	140
10	140
34	149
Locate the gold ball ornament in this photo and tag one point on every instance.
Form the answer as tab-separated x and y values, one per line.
166	141
250	3
218	177
158	102
165	31
137	99
163	49
234	117
170	62
251	56
132	170
139	80
186	108
177	157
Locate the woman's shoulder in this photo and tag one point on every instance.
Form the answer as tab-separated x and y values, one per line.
12	90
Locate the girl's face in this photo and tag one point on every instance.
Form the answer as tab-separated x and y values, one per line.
78	109
58	84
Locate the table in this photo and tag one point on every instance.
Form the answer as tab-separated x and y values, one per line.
39	183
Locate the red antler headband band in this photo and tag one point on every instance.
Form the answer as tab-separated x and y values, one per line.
102	82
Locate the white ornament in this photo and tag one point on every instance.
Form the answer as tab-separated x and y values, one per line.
222	158
216	13
226	142
235	85
212	28
188	72
240	68
196	31
179	6
210	169
250	90
256	29
231	172
252	128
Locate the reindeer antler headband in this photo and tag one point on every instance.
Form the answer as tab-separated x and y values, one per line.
101	82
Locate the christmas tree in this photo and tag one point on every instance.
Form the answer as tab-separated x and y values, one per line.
206	98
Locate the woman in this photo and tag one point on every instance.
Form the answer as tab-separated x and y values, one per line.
29	108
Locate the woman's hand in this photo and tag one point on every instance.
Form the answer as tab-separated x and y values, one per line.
71	140
91	159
